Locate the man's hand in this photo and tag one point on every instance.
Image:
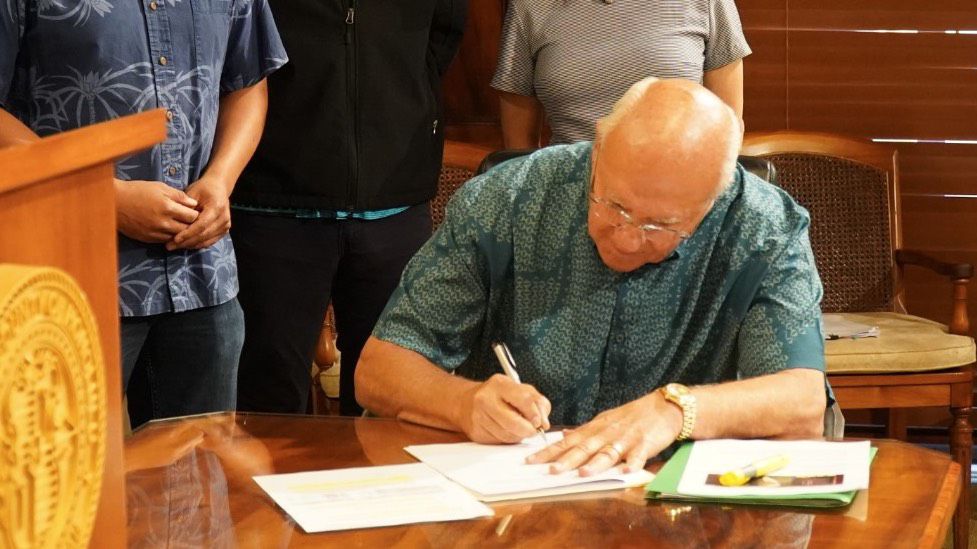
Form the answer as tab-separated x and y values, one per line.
503	411
632	433
151	211
215	215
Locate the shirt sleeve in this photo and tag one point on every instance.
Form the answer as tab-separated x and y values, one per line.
439	308
254	48
516	64
782	327
726	42
11	33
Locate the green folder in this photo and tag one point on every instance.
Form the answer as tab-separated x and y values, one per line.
665	487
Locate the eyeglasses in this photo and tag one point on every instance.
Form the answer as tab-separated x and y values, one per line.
622	220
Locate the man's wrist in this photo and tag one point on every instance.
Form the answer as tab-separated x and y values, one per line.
462	415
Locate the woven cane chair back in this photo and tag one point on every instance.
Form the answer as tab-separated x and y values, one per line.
850	189
459	164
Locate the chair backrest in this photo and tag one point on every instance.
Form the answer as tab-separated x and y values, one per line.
758	166
851	188
459	164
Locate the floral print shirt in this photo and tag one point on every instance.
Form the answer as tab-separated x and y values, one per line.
513	262
71	63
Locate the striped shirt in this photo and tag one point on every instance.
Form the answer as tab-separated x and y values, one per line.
579	56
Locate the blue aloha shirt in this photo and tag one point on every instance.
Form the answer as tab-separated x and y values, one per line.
513	262
71	63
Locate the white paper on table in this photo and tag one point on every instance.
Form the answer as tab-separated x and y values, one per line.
806	458
498	472
366	497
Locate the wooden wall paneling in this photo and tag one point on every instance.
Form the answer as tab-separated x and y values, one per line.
765	70
471	105
883	85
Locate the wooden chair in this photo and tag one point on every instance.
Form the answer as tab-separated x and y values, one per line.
851	188
459	164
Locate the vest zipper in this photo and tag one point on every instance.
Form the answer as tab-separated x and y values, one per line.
351	105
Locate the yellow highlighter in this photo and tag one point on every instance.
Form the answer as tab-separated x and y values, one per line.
742	475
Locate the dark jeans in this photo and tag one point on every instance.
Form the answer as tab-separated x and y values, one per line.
289	270
175	364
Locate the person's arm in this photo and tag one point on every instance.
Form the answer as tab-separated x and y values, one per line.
240	122
13	131
789	404
727	83
520	111
521	117
447	29
496	410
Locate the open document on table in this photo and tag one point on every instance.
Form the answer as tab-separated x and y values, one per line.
366	497
495	472
815	474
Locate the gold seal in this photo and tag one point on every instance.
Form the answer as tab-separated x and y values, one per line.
52	410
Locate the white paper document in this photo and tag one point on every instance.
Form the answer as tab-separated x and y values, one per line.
812	468
835	326
366	497
499	472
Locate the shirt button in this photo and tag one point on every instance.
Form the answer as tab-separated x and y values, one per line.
169	115
162	60
172	170
153	6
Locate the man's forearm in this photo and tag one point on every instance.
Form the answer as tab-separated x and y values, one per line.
13	131
790	403
240	121
392	381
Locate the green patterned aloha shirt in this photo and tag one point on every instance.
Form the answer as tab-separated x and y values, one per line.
513	262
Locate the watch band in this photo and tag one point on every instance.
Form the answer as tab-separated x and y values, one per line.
688	405
680	395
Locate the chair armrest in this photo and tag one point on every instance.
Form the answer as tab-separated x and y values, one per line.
954	271
958	273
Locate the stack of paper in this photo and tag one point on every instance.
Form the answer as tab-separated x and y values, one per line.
500	472
365	497
818	474
835	326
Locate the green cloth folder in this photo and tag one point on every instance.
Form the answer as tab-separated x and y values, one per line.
665	487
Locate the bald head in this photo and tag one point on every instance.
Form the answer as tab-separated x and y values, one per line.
662	157
674	121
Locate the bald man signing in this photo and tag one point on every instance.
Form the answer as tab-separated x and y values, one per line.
650	289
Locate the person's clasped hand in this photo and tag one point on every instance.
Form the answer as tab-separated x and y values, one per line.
500	410
151	211
214	221
632	433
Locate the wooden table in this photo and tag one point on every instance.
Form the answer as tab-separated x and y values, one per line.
189	484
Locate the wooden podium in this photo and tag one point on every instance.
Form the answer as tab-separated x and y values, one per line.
57	209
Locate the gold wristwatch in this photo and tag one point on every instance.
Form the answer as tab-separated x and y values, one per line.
681	396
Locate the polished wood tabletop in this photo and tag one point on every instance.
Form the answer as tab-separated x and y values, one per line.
189	485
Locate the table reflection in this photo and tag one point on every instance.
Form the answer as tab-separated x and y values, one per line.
190	485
